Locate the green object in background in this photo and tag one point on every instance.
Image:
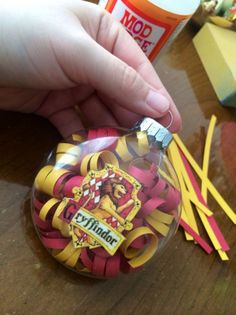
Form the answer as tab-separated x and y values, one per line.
221	6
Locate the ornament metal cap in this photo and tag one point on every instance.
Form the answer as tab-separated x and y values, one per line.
157	133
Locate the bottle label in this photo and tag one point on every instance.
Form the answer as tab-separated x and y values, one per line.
150	34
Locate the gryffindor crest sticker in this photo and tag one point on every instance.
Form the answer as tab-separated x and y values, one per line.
102	208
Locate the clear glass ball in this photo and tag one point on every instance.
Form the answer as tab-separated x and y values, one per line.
106	202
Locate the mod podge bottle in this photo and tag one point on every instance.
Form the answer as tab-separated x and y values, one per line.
152	23
107	201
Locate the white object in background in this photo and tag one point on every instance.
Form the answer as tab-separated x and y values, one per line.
152	23
102	3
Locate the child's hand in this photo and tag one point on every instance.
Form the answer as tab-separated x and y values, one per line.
60	55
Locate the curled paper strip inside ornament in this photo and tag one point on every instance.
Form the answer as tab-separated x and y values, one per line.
106	203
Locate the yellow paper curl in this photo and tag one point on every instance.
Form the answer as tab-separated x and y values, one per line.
139	257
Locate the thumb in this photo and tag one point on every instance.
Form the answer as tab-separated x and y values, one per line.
119	81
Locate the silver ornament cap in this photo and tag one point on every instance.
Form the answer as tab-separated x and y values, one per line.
157	133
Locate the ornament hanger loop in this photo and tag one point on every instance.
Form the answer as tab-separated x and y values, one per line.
171	119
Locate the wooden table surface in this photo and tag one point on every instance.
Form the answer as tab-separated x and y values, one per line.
184	280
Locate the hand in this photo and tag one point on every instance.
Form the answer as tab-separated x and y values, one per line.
61	57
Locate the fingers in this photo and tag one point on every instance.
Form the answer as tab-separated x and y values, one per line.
81	93
124	117
176	124
127	118
114	78
59	108
126	49
66	121
96	113
116	66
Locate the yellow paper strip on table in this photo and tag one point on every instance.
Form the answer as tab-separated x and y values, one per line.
188	210
197	203
206	155
209	230
185	218
201	211
181	173
205	167
225	207
212	235
201	214
185	201
223	255
191	194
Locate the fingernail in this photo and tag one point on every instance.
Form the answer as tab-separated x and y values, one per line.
157	101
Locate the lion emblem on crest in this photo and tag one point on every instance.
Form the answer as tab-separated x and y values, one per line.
109	196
